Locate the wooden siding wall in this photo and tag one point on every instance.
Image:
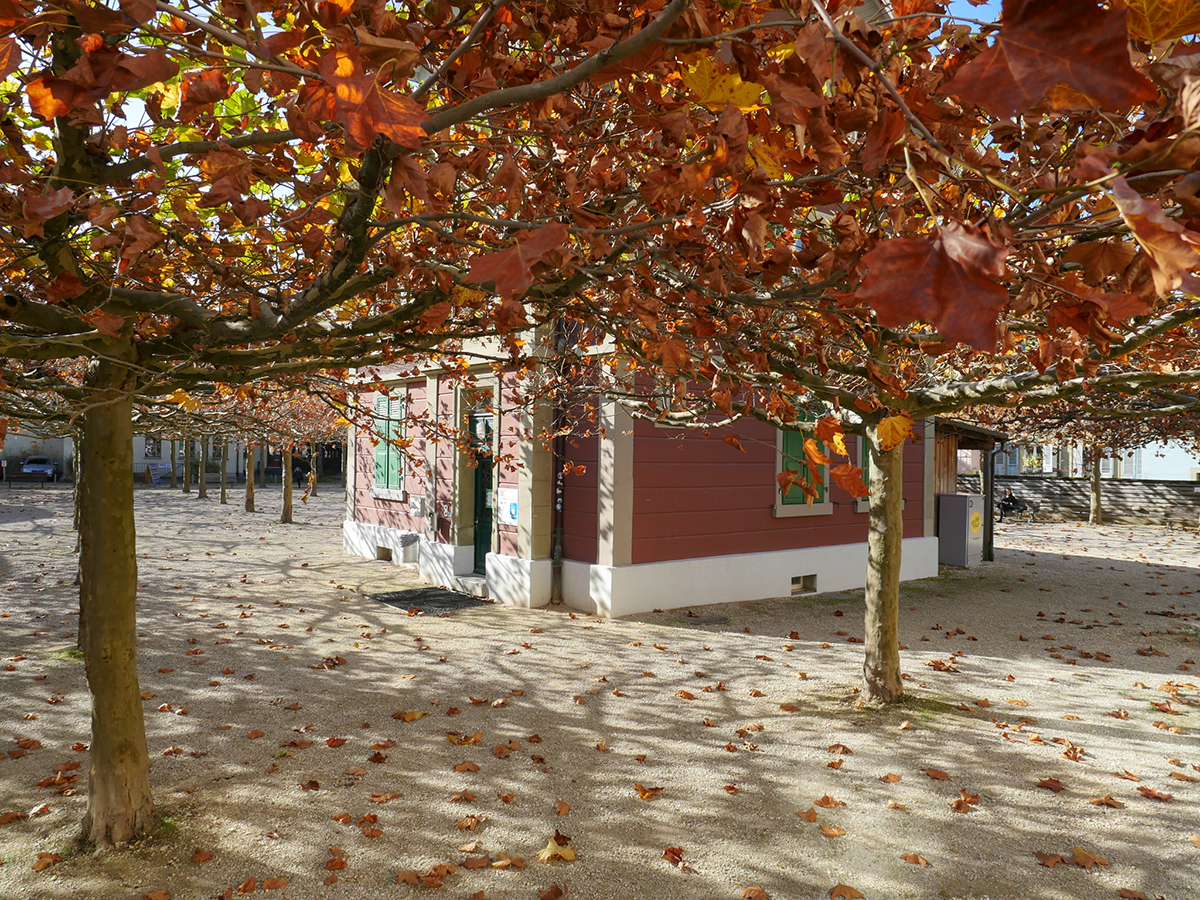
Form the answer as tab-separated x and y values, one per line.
697	497
945	472
580	499
507	472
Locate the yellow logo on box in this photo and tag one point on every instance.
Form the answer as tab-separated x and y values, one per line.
976	522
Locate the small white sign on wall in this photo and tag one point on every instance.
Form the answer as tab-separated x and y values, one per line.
506	505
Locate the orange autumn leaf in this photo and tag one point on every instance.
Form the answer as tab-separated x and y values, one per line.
201	856
164	894
894	431
1049	860
753	893
965	801
845	892
831	831
647	792
274	884
936	774
889	778
810	816
915	859
849	479
1107	800
1086	860
827	802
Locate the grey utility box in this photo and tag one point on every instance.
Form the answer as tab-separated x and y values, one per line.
960	529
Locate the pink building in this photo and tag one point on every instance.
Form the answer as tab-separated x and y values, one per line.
653	519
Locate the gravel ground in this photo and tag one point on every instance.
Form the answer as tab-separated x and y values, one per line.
274	682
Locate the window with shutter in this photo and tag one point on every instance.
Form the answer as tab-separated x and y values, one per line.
790	445
389	458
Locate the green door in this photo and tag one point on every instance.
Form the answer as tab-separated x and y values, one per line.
481	450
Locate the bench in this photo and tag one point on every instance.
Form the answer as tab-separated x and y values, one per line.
25	478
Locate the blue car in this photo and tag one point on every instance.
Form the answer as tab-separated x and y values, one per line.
40	464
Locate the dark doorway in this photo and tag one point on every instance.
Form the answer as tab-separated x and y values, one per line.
481	452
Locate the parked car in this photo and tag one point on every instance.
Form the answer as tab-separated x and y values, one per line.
41	464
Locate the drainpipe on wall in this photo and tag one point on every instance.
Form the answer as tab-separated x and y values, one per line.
988	483
557	463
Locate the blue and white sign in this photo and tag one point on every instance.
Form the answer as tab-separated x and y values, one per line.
506	506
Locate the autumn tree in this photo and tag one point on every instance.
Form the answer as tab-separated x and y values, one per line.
200	195
904	217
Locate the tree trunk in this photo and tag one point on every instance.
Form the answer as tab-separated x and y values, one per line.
202	485
187	465
250	478
881	668
345	462
1095	510
314	457
266	458
224	467
174	462
286	472
119	803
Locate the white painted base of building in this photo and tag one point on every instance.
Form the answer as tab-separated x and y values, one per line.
626	590
380	542
521	583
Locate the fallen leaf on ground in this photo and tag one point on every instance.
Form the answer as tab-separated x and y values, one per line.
1107	800
845	892
810	816
889	778
753	893
892	804
674	855
1051	784
164	894
1130	894
556	850
477	862
274	884
554	892
562	807
1152	794
915	858
647	792
201	856
467	766
1086	860
936	774
408	877
831	831
1049	860
965	801
827	802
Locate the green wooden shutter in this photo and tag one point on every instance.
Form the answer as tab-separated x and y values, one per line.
795	459
395	454
381	449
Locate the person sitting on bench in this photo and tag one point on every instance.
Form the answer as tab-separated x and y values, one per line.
1011	504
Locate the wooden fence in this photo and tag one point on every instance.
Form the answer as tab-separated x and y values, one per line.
1126	501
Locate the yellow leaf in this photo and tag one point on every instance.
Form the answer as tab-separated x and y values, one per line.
553	850
770	158
715	89
1163	20
893	431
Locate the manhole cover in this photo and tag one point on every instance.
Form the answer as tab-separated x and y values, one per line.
708	619
429	600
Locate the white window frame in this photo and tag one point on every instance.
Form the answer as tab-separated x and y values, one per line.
395	413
